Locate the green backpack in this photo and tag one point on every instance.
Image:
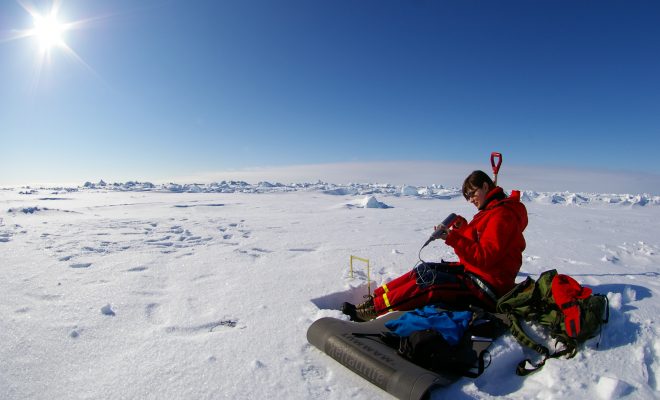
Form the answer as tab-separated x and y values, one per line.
569	311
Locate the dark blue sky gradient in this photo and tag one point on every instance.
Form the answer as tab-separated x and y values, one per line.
177	87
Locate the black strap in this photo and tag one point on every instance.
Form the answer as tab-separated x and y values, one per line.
481	365
607	308
570	348
522	371
483	286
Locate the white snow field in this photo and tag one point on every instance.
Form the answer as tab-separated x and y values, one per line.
139	291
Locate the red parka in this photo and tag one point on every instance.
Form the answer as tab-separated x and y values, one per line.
491	245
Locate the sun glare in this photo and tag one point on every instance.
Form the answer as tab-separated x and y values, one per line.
48	31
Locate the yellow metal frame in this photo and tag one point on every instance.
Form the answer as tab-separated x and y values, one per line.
368	270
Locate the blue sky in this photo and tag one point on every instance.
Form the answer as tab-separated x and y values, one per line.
155	89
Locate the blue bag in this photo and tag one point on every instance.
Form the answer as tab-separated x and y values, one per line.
450	324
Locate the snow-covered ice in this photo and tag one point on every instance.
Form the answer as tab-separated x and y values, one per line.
206	291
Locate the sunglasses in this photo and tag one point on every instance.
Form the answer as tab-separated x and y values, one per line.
471	194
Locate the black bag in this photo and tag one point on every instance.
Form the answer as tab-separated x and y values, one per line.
430	350
470	357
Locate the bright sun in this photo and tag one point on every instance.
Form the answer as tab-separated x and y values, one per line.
48	31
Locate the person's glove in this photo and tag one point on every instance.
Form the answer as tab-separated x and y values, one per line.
459	223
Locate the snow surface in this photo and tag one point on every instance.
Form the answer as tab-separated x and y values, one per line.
136	290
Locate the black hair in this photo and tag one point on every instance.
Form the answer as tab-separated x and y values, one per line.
475	181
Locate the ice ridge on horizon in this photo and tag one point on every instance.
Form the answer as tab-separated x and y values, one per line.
433	191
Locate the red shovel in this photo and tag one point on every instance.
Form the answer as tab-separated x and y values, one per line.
496	166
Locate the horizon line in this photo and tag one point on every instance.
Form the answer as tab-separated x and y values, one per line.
414	173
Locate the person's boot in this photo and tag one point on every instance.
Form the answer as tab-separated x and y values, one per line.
349	309
366	311
362	312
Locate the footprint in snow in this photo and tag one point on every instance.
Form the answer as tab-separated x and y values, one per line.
314	377
312	372
245	233
161	244
107	310
202	277
75	333
153	313
137	269
157	241
256	253
5	237
46	297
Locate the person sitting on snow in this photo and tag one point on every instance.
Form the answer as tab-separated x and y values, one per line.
489	249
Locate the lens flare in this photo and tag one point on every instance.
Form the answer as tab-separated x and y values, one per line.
48	31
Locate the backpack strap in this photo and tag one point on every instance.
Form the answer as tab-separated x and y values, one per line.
519	333
516	329
483	286
570	351
522	371
481	365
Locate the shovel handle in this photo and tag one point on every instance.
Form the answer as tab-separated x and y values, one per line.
496	166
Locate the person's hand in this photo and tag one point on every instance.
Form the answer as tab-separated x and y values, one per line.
444	232
459	222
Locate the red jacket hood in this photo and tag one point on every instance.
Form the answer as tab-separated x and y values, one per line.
497	198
